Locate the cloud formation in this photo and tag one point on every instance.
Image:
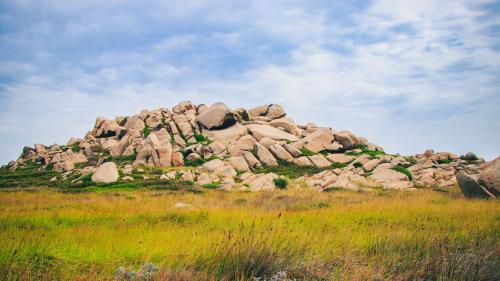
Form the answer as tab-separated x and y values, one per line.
408	75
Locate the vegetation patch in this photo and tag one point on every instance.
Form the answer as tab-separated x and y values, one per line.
307	152
403	170
289	170
146	131
281	183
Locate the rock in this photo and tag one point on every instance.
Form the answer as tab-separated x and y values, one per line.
181	205
165	155
217	116
345	139
134	123
275	111
237	163
287	125
164	178
469	156
183	107
213	165
260	182
470	187
228	134
295	152
119	147
370	165
265	155
106	173
428	153
177	159
319	140
267	142
302	161
225	172
127	179
188	176
390	179
262	131
320	161
490	177
280	153
53	179
258	111
340	158
252	161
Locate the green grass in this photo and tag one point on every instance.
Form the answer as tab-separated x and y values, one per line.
307	152
403	170
213	185
47	234
289	170
75	147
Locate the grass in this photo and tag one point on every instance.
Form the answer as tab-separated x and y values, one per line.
146	131
47	234
403	170
444	161
307	152
289	170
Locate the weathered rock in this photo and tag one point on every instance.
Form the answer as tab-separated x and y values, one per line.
317	141
340	158
470	187
252	161
164	155
134	123
262	131
260	182
320	161
127	179
225	171
275	111
280	153
469	156
295	152
237	163
217	116
228	134
213	165
264	155
490	177
345	139
390	179
302	161
177	159
106	173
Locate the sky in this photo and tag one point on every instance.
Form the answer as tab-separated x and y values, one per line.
407	75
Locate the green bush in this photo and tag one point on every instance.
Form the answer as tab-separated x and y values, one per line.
357	165
75	147
146	131
445	161
281	183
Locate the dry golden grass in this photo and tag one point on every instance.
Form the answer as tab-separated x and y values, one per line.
46	234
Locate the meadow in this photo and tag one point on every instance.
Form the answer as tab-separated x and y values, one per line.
293	234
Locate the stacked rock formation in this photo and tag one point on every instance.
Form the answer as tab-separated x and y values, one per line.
227	146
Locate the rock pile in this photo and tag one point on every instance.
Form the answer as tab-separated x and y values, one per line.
227	146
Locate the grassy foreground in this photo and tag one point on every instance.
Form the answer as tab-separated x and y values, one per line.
48	234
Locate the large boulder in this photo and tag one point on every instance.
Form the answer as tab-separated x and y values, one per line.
391	179
263	131
217	116
272	111
106	173
319	140
470	187
279	152
228	134
134	123
490	177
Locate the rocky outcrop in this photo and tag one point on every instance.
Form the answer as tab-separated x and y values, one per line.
229	148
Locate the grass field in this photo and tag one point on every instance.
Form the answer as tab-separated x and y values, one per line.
49	234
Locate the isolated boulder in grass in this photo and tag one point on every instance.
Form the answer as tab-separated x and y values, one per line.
106	173
217	116
470	188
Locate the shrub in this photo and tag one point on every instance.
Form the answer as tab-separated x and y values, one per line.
403	170
445	161
75	147
290	170
281	183
338	165
357	165
146	131
200	138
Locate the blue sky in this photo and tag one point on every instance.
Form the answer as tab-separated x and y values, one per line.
408	75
